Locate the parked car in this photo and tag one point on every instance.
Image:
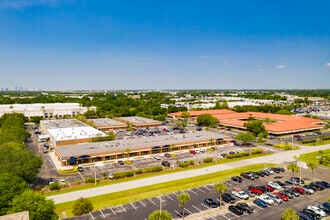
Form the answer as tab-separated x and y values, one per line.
240	194
111	176
247	175
317	210
235	209
192	152
270	170
311	213
157	157
294	181
254	190
237	179
290	195
268	188
325	207
249	193
244	207
282	196
278	169
299	190
228	198
308	190
274	185
275	198
266	199
120	162
165	163
80	169
304	216
260	203
261	173
280	183
292	191
324	183
167	155
317	186
210	202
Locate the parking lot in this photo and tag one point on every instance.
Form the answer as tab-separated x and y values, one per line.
196	209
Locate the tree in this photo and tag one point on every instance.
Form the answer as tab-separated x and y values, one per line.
221	187
82	206
293	167
245	137
160	215
256	127
38	206
207	120
289	214
10	186
128	151
185	115
313	164
183	199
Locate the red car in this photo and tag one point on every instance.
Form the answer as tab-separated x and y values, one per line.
192	151
254	190
282	196
299	190
268	188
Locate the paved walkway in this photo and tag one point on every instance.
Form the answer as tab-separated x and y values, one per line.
282	157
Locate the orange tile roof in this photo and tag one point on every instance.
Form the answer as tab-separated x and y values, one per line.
197	113
283	123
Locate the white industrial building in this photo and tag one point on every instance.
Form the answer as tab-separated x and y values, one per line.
45	110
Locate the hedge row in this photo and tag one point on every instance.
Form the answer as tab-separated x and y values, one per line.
120	175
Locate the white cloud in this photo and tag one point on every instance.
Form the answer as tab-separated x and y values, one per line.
281	66
328	64
20	4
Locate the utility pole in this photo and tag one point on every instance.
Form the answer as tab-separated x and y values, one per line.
160	207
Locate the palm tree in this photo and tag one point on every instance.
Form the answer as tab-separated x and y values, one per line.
183	199
211	140
127	151
289	214
160	215
221	187
313	164
293	167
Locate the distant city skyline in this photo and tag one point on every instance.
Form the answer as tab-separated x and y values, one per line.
186	44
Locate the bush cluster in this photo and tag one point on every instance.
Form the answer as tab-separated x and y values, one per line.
208	160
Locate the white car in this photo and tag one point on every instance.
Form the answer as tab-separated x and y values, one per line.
269	170
308	190
266	199
317	210
274	185
275	197
240	194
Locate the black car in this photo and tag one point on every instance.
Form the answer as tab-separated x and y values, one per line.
290	195
228	198
324	183
261	173
304	216
292	191
120	162
244	207
167	155
165	163
280	183
320	186
235	209
278	169
210	202
236	179
247	175
80	169
255	174
316	186
311	213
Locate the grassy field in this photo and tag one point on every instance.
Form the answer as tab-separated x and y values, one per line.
141	176
320	143
114	199
305	157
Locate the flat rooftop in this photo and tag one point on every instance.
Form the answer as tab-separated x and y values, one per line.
135	144
107	122
136	120
70	129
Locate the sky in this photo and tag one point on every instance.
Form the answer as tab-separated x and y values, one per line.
169	44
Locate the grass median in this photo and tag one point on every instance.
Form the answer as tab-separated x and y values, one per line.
147	175
123	197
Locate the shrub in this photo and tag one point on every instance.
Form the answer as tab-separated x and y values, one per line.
128	162
129	173
230	156
191	162
256	151
82	206
55	186
183	164
91	180
119	175
153	169
138	171
208	160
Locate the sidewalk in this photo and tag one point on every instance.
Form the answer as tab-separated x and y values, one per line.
278	158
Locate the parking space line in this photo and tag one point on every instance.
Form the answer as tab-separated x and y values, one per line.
123	208
190	190
169	197
227	182
224	216
133	205
102	213
178	213
152	202
143	204
205	206
112	211
196	208
234	214
90	214
200	190
188	211
207	188
258	207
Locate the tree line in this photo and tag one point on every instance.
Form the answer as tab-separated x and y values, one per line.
18	170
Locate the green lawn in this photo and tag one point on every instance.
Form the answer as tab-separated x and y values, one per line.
305	157
141	176
114	199
318	144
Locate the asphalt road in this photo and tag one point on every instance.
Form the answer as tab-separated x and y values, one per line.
281	157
